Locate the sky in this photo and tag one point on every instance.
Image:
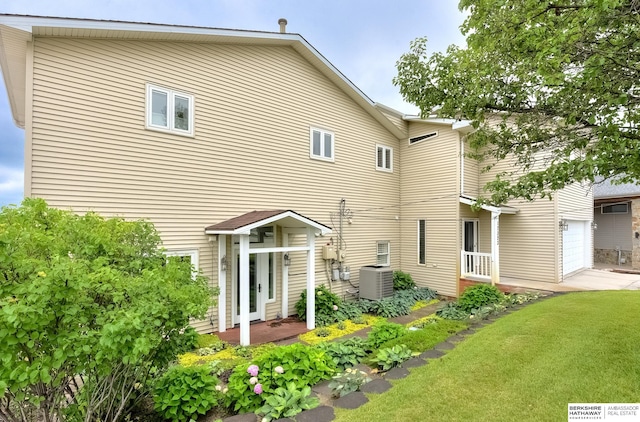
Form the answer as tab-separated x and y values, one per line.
362	38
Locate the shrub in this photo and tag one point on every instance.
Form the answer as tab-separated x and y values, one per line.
384	331
391	307
402	281
452	311
287	402
345	354
182	392
312	337
391	357
427	337
327	306
297	363
347	382
209	340
424	293
98	304
478	296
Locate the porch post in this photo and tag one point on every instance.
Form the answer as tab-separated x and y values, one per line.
495	247
311	279
285	278
222	284
244	290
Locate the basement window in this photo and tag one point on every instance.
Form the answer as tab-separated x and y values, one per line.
383	253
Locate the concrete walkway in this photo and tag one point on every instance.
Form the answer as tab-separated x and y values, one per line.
591	279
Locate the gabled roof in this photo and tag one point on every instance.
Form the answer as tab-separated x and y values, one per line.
243	224
604	189
16	30
503	209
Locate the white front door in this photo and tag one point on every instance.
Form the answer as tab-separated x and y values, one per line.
259	273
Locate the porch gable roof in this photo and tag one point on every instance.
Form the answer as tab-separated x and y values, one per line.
243	224
503	209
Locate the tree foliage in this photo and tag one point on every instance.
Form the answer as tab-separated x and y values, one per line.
90	308
552	83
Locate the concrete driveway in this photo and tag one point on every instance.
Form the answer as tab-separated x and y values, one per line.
602	280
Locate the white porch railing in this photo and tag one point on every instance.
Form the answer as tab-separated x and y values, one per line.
475	264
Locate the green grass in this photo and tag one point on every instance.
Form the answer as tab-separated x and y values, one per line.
526	366
427	337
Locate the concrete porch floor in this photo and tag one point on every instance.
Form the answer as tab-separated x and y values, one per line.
267	331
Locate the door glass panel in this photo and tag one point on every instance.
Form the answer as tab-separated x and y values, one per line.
253	284
469	236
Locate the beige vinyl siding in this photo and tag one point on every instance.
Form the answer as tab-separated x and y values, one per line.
429	191
575	202
471	173
254	106
614	230
395	119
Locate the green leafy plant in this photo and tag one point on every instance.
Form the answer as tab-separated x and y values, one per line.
346	353
209	340
348	381
384	331
341	325
391	357
402	281
391	307
428	336
326	306
287	402
323	332
452	311
183	392
478	296
89	308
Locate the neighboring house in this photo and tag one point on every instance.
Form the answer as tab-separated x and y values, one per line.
257	159
617	215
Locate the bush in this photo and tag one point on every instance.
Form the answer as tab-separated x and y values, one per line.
427	337
183	392
402	281
327	306
384	331
98	304
391	307
347	382
391	357
346	353
287	402
302	365
452	311
479	295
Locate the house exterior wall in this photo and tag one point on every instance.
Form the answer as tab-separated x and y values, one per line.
575	202
615	232
254	105
429	190
471	172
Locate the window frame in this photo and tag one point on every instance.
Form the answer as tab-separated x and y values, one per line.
171	100
387	253
322	132
192	253
422	243
611	205
386	150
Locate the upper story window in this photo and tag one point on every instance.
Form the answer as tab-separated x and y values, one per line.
321	144
383	253
384	158
169	111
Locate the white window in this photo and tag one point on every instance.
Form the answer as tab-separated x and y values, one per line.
422	242
321	144
169	111
384	158
383	254
186	254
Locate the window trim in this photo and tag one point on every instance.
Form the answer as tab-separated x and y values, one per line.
387	254
612	204
171	95
193	253
322	132
422	247
385	150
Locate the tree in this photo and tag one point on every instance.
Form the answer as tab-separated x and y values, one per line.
90	310
552	83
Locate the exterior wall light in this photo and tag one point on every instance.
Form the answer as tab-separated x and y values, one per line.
564	225
594	225
223	263
287	259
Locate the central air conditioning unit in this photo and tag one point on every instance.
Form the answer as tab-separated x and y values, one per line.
376	282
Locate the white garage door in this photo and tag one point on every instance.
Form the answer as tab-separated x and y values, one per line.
574	244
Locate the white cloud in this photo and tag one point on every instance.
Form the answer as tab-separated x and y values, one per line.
11	185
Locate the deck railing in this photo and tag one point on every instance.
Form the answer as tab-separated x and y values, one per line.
476	264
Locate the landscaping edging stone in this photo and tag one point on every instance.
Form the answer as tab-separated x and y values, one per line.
319	414
445	345
351	400
432	354
396	373
414	363
376	386
242	417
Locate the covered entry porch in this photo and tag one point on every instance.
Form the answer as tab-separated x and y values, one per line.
254	257
475	264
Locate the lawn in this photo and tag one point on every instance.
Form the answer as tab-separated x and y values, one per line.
575	348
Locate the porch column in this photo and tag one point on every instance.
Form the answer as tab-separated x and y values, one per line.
311	279
495	247
222	284
285	278
244	290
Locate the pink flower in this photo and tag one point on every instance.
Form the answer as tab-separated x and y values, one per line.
253	380
253	370
279	369
335	307
257	389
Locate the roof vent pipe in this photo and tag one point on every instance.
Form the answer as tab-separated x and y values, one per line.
283	25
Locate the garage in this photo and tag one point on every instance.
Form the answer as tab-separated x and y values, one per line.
575	245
